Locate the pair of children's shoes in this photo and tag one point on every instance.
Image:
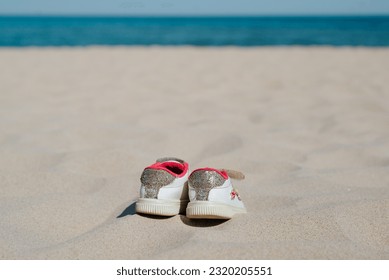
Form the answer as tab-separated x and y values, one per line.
167	189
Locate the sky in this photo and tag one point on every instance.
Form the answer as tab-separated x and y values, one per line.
194	7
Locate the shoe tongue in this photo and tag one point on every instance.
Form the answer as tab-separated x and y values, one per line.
237	175
164	159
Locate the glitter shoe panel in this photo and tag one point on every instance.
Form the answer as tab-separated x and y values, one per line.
203	182
153	179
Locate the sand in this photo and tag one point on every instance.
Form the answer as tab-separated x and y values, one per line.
308	126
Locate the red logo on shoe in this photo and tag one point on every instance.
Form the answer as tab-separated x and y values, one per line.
234	194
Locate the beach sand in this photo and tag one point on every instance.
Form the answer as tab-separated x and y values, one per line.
308	126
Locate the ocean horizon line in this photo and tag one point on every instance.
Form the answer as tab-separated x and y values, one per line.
197	15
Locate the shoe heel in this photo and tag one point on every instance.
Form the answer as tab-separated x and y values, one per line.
208	210
160	207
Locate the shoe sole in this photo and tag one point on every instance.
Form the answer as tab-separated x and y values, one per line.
160	207
211	210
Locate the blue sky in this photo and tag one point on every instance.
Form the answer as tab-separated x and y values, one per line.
194	7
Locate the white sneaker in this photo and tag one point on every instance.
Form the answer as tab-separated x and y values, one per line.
212	195
164	189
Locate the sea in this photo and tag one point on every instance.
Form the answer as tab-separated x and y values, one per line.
42	31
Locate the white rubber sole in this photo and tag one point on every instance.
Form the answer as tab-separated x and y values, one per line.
212	210
160	207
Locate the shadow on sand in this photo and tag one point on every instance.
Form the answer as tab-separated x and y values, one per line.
201	222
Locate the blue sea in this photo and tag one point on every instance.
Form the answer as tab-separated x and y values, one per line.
22	31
